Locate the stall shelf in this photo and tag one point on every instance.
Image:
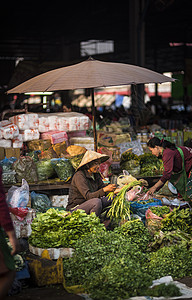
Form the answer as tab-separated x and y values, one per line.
43	186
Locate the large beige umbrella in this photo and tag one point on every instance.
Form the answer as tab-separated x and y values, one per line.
90	74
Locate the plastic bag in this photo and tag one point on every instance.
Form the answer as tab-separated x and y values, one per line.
25	168
19	212
9	177
104	167
18	196
132	194
153	222
63	168
45	169
40	202
125	178
140	207
7	164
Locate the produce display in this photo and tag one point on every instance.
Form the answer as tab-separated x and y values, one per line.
118	264
58	228
144	165
146	240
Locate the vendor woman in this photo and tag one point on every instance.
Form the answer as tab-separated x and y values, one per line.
87	190
177	162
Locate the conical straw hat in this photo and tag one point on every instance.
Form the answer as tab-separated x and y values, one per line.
90	156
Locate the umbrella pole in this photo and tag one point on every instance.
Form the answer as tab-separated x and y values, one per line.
94	121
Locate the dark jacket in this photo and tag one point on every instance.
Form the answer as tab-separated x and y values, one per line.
84	187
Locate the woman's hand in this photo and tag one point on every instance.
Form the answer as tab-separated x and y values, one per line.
151	191
109	188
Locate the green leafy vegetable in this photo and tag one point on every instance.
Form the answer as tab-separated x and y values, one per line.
62	229
150	165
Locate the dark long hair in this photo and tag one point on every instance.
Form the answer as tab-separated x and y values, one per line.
155	141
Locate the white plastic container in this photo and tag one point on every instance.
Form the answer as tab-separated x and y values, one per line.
54	253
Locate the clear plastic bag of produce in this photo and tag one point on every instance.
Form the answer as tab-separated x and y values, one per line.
18	196
63	168
9	177
45	169
40	202
133	193
25	168
7	164
153	220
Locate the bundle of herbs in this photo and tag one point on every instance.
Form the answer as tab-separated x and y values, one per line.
120	207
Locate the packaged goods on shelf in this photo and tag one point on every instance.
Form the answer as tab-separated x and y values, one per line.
76	133
53	122
112	139
26	121
59	200
5	143
60	148
43	124
5	123
39	145
30	134
87	142
9	131
17	142
55	136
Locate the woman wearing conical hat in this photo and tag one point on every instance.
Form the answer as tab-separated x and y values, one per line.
87	190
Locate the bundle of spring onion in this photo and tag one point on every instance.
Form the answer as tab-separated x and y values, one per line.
120	207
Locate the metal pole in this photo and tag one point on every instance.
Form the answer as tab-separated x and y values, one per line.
94	121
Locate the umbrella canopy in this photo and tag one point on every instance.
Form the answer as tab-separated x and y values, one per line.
90	74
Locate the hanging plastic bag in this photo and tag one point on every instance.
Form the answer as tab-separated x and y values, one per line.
18	196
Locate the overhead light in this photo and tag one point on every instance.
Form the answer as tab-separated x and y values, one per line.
39	93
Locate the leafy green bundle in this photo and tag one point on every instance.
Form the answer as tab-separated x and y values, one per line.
120	207
136	232
150	165
62	229
178	219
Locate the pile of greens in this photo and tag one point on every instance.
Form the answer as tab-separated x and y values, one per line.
150	165
160	211
178	219
136	232
108	265
129	161
120	264
175	260
62	229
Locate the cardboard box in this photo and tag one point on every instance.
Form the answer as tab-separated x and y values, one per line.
2	153
12	152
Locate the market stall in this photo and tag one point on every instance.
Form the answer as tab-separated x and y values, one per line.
149	238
